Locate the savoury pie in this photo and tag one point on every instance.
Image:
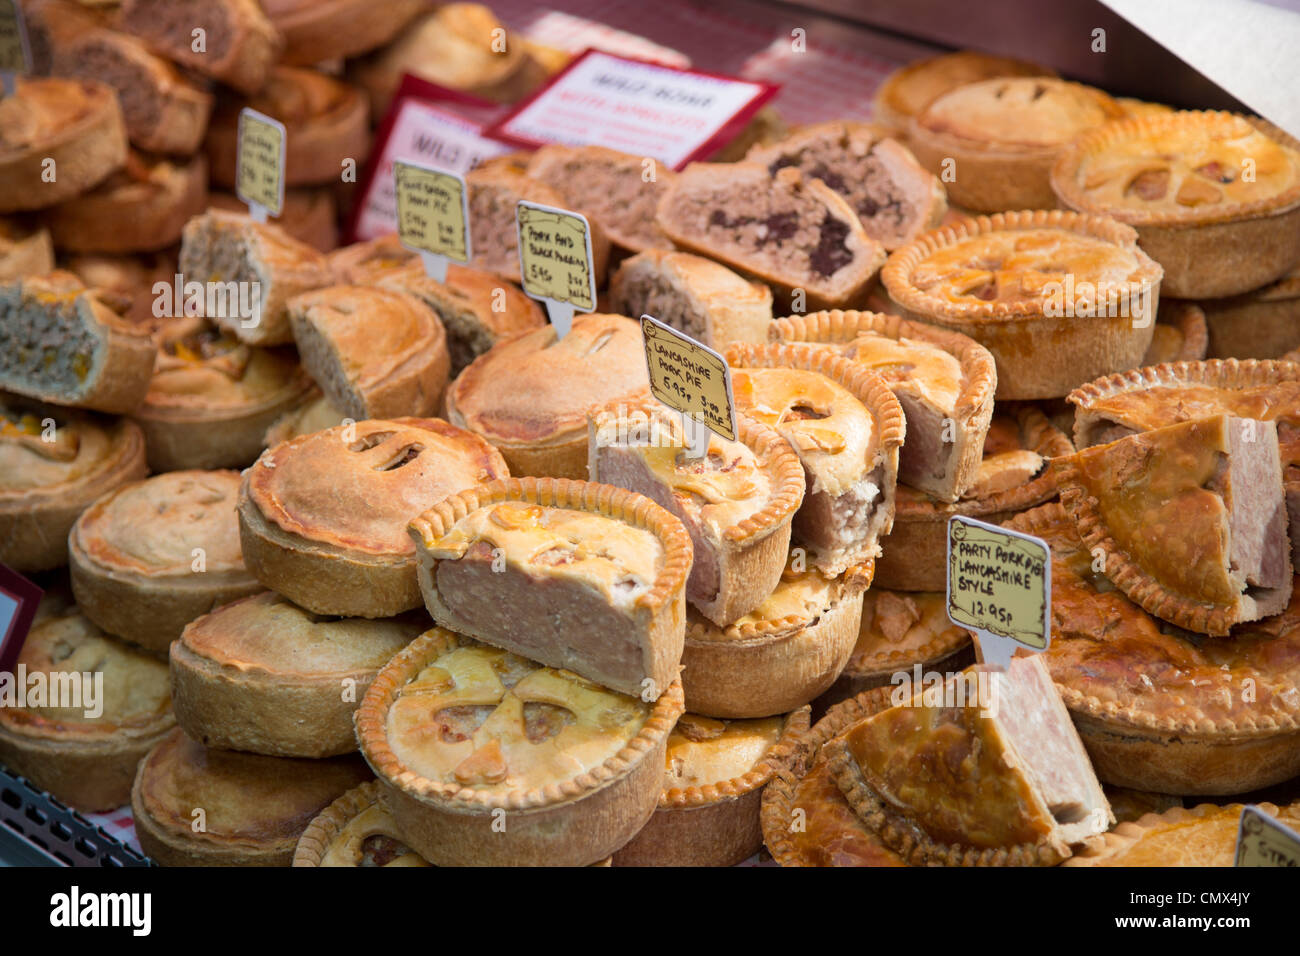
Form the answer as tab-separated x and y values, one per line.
943	380
488	759
85	755
1181	334
845	425
782	654
573	574
322	517
1000	137
529	394
1013	476
318	30
374	352
1205	835
999	778
62	343
310	214
1191	519
1214	197
1161	709
357	829
53	463
1263	323
736	500
25	249
199	807
1057	297
712	791
127	282
151	556
265	676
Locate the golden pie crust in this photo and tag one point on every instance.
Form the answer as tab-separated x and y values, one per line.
1179	180
607	567
1160	709
319	30
529	394
714	820
1181	334
87	762
253	808
566	802
737	500
152	556
25	249
323	517
1013	477
1264	323
355	830
262	675
920	381
44	485
781	655
1007	280
1204	835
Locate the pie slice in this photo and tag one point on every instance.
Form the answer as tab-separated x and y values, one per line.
737	500
488	759
847	428
1204	835
943	380
974	773
1191	519
573	574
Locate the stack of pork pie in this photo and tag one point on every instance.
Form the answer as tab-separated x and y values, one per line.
380	571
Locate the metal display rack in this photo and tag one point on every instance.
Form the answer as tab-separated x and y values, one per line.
38	830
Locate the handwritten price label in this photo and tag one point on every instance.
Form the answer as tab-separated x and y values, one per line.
1263	841
432	215
689	377
259	177
555	261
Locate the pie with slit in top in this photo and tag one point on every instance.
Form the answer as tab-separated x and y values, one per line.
254	807
737	499
573	574
1161	709
355	830
782	654
153	555
986	770
53	463
847	428
1053	295
488	759
322	517
84	755
1004	135
1181	334
713	789
213	397
943	380
262	675
529	394
1191	519
1215	197
1013	475
1205	835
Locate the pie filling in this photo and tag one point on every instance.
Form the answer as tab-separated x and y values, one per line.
48	340
370	839
798	601
483	719
28	462
704	751
902	622
785	235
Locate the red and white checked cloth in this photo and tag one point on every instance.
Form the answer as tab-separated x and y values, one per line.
119	824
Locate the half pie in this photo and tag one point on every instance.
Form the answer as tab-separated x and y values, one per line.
1013	476
997	777
53	463
152	556
1181	334
322	517
943	380
847	428
199	807
781	655
1215	197
1161	709
573	574
60	342
529	394
375	353
265	676
1264	323
213	397
1057	297
712	791
488	759
355	830
1191	519
894	197
1000	138
1204	835
736	500
83	748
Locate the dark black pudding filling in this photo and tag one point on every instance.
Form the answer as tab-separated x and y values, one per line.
832	252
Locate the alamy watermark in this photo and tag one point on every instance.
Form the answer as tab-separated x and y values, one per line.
213	300
63	690
968	688
1085	300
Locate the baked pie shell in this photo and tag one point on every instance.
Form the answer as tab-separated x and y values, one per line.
1124	836
1037	356
575	823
